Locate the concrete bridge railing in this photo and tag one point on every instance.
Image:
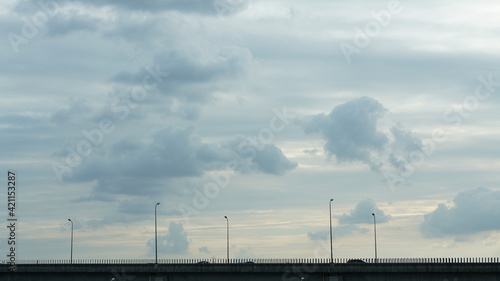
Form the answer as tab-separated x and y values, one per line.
262	260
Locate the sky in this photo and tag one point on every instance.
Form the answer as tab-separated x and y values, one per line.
261	111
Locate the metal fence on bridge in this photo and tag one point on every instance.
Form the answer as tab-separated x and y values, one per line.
262	260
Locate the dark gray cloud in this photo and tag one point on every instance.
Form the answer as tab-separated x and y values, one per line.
199	64
190	77
205	65
473	211
175	242
259	156
351	130
140	167
170	152
271	160
136	166
144	32
62	24
206	7
313	151
356	131
362	213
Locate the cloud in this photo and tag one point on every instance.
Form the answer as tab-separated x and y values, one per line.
260	157
29	132
110	219
140	167
204	250
345	230
175	242
127	212
318	235
144	208
143	167
170	152
62	24
351	129
205	7
72	114
312	151
473	211
191	76
362	213
337	231
271	160
357	131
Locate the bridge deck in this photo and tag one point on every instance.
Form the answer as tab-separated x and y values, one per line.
381	271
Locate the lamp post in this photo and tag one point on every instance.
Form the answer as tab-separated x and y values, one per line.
227	237
375	234
156	236
71	256
331	235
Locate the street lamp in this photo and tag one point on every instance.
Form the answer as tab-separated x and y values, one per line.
227	238
331	235
71	257
156	236
375	234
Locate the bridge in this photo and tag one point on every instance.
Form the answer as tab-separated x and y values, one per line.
399	269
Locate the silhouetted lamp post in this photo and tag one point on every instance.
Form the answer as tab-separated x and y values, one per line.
156	236
375	234
71	256
331	235
227	237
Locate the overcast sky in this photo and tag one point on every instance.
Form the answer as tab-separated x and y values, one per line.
261	111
